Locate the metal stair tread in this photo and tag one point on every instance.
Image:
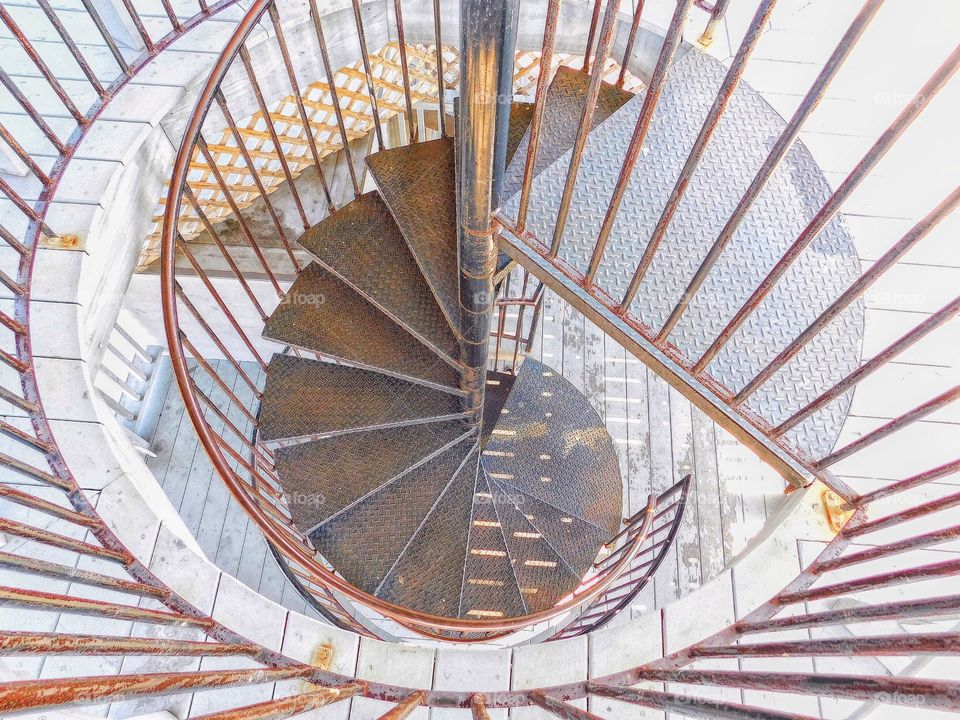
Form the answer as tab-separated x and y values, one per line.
417	183
428	576
322	478
573	539
563	109
521	114
499	385
551	444
365	542
354	242
307	399
542	574
322	313
489	583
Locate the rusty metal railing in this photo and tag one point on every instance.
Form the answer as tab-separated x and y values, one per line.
232	331
846	585
543	257
658	541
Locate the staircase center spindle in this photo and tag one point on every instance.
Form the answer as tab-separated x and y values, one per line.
487	29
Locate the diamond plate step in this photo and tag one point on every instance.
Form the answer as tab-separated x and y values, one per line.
324	477
551	444
364	542
520	116
429	575
795	193
561	117
363	246
307	399
542	574
418	184
574	540
499	386
489	585
322	313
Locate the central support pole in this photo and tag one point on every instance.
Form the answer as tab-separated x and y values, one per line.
487	32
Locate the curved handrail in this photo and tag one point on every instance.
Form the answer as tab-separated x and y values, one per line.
284	539
592	617
812	585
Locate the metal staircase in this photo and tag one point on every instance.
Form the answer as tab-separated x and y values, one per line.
99	607
406	494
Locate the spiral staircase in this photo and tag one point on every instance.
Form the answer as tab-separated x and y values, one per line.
418	488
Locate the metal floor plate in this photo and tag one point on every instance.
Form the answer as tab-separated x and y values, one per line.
795	193
365	542
561	118
490	587
543	576
322	477
322	313
429	575
306	398
362	244
499	386
551	444
418	184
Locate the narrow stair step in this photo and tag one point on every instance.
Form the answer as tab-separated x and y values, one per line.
521	114
321	313
419	186
490	587
308	399
323	477
561	117
543	576
428	576
365	542
573	539
498	389
551	444
362	245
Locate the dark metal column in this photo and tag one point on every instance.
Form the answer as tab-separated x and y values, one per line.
486	27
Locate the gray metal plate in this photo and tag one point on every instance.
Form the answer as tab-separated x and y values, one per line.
322	313
305	398
418	184
362	244
364	543
795	193
551	444
323	477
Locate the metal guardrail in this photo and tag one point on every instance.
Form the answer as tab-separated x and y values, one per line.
836	591
245	466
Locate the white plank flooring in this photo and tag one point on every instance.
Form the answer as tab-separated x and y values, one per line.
222	529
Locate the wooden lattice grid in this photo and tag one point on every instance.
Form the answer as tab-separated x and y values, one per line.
357	114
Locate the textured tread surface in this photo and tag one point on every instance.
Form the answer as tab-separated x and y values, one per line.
429	575
561	118
305	398
551	444
322	313
795	193
543	576
574	540
322	477
499	386
365	542
417	182
489	586
521	114
362	244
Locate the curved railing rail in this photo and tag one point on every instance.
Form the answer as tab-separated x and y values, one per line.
245	466
874	577
657	543
768	435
